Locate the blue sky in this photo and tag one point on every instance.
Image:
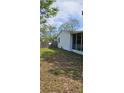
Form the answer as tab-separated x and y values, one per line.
67	9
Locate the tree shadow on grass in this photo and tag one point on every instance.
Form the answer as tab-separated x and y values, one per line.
65	63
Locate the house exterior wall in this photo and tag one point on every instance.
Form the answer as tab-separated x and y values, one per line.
78	52
65	43
65	40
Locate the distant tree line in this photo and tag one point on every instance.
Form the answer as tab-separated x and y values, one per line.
47	31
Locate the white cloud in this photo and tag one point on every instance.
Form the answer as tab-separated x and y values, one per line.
67	9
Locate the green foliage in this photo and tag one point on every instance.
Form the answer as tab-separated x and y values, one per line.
47	10
47	31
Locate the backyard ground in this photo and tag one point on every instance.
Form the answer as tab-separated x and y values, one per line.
61	71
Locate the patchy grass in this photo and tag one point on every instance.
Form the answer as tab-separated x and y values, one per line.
61	71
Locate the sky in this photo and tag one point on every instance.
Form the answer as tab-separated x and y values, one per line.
67	9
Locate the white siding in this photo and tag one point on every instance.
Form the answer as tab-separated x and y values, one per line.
78	52
65	40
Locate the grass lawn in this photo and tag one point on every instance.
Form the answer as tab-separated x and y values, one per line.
61	71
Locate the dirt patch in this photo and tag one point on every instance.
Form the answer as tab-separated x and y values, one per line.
61	72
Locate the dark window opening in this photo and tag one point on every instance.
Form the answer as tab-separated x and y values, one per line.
59	40
77	41
74	41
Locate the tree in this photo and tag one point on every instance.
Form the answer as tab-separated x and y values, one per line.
70	25
46	10
47	32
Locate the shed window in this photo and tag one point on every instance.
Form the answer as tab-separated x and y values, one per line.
59	40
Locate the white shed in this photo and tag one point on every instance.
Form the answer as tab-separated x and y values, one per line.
71	41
